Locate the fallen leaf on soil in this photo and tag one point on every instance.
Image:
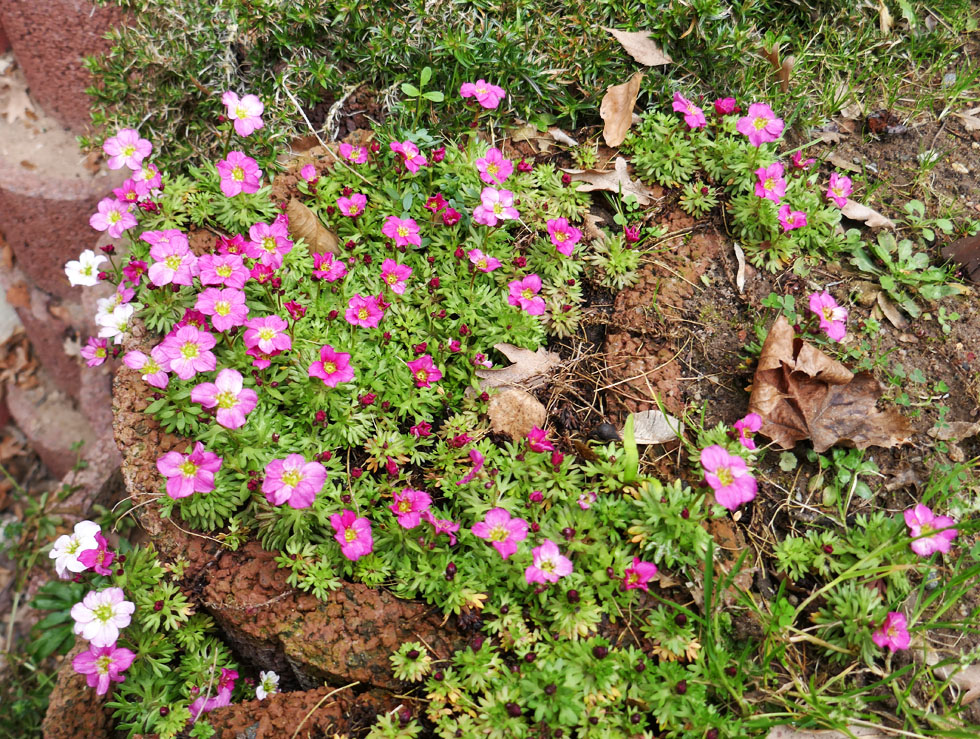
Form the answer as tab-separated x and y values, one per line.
654	427
617	109
966	679
955	430
515	412
862	732
303	224
18	105
641	47
970	120
561	137
838	161
617	180
891	311
905	478
801	393
591	228
966	253
740	275
857	212
528	368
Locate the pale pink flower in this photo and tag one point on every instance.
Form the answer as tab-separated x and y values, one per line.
189	473
503	532
481	261
238	174
585	500
245	112
549	564
308	172
760	125
153	368
150	175
524	295
494	168
410	155
693	115
833	318
409	506
327	267
267	334
771	184
728	476
98	559
394	275
537	440
68	547
799	162
639	574
840	187
188	351
932	533
293	480
103	666
225	306
442	526
270	242
354	154
353	534
363	311
424	371
333	367
893	633
113	217
563	235
477	459
126	149
746	427
226	270
131	191
227	393
403	231
101	614
486	94
790	219
495	206
353	206
95	352
174	262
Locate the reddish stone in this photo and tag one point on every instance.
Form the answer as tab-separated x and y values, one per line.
4	42
75	710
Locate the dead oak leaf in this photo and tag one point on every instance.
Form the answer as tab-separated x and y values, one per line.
641	47
801	393
528	368
966	253
616	109
617	180
303	224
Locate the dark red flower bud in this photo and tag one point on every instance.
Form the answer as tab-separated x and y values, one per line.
158	606
513	710
600	652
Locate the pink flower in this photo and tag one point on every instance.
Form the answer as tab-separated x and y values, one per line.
524	295
833	318
477	459
585	500
227	270
293	480
840	187
188	351
134	270
245	112
631	233
333	367
481	261
266	335
409	506
724	106
799	162
436	203
353	154
893	633
442	526
790	219
502	531
639	574
296	310
101	614
549	564
131	191
771	184
334	270
363	311
225	306
421	429
233	401
410	155
537	440
493	168
932	533
150	175
353	534
308	173
202	704
404	232
95	351
451	217
126	149
728	476
174	263
113	217
563	236
270	242
232	245
100	558
495	206
487	95
189	473
394	275
761	125
424	371
238	174
153	368
693	115
353	206
103	666
746	427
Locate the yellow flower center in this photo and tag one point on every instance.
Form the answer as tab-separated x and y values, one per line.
128	151
498	209
362	314
100	352
113	216
768	184
491	169
402	231
404	505
267	334
269	243
173	262
391	278
349	535
292	478
102	664
725	476
760	123
222	307
240	112
482	264
226	399
238	174
422	376
188	469
150	368
499	533
224	270
527	293
329	368
190	350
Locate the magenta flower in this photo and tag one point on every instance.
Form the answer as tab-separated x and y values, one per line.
524	295
225	306
771	184
549	564
728	476
746	427
693	115
481	261
131	191
101	614
100	558
326	267
363	311
893	633
267	335
308	172
502	531
451	217
153	367
410	155
493	168
421	429
113	217
394	275
188	351
799	162
477	459
563	236
353	206
134	270
270	243
409	506
761	125
126	149
189	473
932	533
353	534
95	351
639	574
293	480
202	704
404	232
103	666
833	318
495	206
238	174
791	219
424	371
436	203
487	95
232	245
245	112
150	175
227	393
226	270
174	263
333	367
442	526
724	106
353	154
537	440
840	187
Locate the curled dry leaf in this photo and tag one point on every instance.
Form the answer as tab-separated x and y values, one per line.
853	732
617	109
528	368
801	393
740	275
857	212
303	224
955	430
891	311
654	427
641	47
618	180
514	412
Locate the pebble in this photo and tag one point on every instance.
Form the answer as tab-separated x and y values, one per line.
961	168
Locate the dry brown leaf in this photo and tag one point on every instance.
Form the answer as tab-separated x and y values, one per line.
18	105
892	312
641	47
966	253
857	212
785	72
617	180
528	368
838	161
514	412
303	224
561	137
654	427
885	20
862	732
590	227
955	430
970	121
740	275
801	393
617	109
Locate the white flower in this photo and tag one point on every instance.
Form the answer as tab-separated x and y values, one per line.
101	614
67	548
116	323
268	684
85	271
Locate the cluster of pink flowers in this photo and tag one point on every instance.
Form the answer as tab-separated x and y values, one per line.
727	474
114	215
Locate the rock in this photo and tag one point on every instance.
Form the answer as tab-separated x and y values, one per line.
75	710
515	412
